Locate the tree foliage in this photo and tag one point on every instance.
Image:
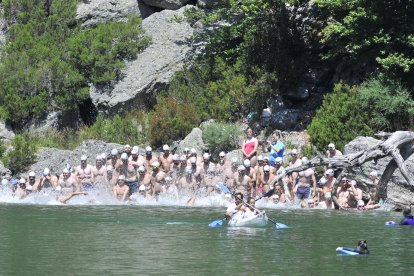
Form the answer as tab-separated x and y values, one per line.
222	137
49	61
339	119
22	155
379	32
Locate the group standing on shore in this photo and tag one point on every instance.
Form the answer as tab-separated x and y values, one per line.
128	175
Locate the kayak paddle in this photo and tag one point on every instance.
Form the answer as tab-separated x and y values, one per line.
269	193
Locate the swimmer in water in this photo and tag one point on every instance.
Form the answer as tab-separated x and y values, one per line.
362	248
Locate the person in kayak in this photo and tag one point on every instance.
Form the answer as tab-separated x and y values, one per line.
234	210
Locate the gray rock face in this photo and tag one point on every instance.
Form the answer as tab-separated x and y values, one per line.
91	12
56	159
154	67
398	192
3	170
193	140
5	133
166	4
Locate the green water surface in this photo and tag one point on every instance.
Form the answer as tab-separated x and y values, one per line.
133	240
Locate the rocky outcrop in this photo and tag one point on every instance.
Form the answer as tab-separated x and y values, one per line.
193	140
397	190
56	159
3	170
166	4
91	12
154	67
5	132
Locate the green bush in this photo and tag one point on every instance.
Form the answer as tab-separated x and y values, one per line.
121	130
340	119
222	137
22	155
171	120
48	61
389	105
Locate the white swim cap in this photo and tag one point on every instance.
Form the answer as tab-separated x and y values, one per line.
374	173
58	188
22	181
124	156
168	178
206	156
329	172
141	169
46	171
331	146
114	152
222	154
193	150
279	160
98	158
294	151
266	157
266	168
165	147
241	168
83	157
176	157
134	151
121	177
149	149
246	163
227	196
103	156
353	182
4	181
361	203
109	168
127	146
186	149
155	164
193	160
275	196
234	160
32	173
65	170
260	158
136	148
183	158
141	188
322	181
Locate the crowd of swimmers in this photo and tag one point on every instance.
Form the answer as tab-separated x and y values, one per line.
128	175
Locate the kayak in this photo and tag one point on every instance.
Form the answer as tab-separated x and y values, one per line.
257	220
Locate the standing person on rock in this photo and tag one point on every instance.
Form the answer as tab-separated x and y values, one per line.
149	158
67	183
249	147
145	179
277	148
332	151
98	172
166	159
114	161
48	180
373	191
84	173
120	190
157	179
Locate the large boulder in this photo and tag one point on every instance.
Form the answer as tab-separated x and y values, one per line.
56	159
193	140
3	170
397	190
154	67
166	4
91	12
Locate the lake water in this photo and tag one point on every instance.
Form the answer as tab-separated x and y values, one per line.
175	240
